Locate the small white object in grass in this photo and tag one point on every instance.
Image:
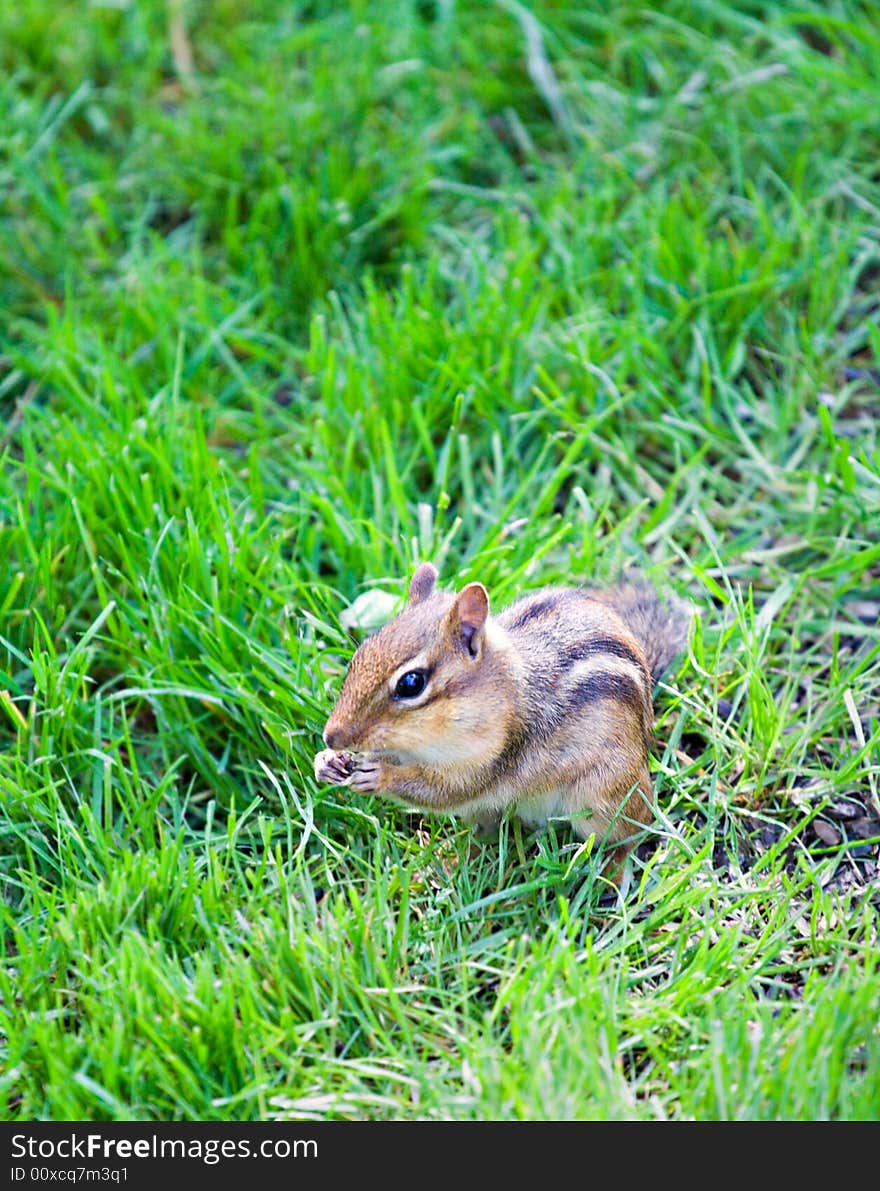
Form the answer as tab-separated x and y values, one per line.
369	611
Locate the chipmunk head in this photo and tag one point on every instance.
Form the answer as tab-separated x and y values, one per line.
409	686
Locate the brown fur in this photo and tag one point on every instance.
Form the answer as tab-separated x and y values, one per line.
546	708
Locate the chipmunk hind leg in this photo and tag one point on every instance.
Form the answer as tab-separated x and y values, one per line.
614	817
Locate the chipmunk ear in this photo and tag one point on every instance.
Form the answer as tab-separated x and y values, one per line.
422	584
467	619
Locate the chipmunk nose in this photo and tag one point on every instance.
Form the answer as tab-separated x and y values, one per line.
342	736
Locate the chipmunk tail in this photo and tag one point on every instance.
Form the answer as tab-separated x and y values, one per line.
660	623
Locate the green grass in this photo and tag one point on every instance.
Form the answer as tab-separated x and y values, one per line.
303	294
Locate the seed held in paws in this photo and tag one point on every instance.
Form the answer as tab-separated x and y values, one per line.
333	768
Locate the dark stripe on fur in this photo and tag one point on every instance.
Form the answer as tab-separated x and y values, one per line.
608	686
619	687
659	625
595	646
542	727
535	609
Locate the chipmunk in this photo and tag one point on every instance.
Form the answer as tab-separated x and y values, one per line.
545	708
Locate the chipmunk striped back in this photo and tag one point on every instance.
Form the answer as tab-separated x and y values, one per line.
582	653
659	625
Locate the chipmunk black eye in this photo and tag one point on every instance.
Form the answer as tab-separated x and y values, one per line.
411	684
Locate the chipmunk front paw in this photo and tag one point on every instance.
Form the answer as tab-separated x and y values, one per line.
332	768
368	775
